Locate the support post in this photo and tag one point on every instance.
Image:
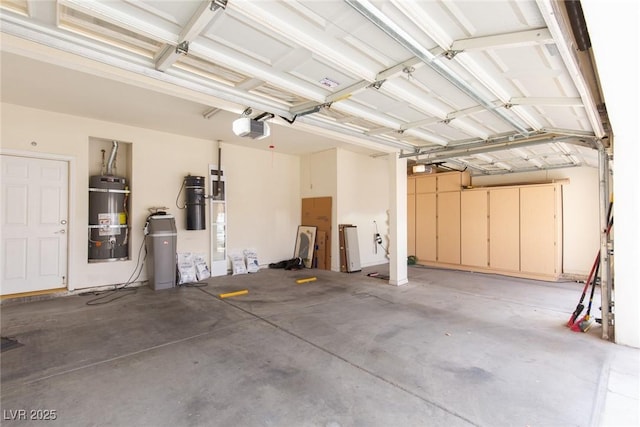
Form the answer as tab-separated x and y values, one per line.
397	220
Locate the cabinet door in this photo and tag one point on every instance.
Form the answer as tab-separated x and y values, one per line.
474	228
426	227
426	184
411	215
504	229
411	185
449	227
538	230
449	182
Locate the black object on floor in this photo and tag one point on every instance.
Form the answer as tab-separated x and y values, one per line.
8	344
378	276
289	264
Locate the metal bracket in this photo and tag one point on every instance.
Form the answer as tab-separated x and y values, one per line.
183	48
377	84
218	4
450	54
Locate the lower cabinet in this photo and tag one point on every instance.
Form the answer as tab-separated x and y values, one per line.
474	241
448	227
504	229
539	237
411	216
426	231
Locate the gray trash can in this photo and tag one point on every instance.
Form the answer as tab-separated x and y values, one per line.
161	243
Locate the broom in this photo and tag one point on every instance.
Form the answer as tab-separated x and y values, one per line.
586	322
580	306
596	264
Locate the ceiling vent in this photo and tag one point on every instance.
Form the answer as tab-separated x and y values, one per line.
251	128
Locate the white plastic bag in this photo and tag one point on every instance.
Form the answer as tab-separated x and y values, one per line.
237	263
202	270
252	260
186	268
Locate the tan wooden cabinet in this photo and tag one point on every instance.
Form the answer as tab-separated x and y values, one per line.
448	227
453	181
539	235
426	184
411	216
504	229
513	230
426	231
474	232
432	220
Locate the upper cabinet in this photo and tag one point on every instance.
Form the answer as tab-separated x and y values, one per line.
453	181
426	184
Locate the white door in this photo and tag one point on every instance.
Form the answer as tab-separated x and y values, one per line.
33	222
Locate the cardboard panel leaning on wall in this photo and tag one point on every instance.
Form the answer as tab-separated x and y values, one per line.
318	178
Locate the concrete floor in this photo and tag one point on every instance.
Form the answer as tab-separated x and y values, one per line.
448	349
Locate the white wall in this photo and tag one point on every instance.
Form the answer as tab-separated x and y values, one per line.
363	197
318	174
263	191
263	201
580	206
618	71
359	187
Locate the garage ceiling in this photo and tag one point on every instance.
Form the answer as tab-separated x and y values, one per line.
492	86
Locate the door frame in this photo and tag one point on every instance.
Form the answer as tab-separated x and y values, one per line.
71	199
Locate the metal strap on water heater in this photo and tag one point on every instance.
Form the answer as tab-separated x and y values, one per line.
109	190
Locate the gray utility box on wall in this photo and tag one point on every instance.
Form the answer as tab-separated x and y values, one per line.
161	243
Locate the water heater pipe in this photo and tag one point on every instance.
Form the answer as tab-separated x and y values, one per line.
112	157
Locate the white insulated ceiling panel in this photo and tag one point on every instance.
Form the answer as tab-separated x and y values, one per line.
441	88
323	75
492	124
235	33
446	131
273	93
559	117
173	15
311	32
374	99
210	70
145	18
110	33
405	113
465	19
